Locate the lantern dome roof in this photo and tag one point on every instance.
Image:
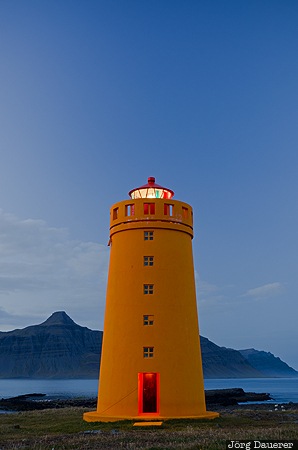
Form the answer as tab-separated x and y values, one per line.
151	190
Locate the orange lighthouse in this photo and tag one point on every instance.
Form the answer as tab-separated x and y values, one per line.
151	365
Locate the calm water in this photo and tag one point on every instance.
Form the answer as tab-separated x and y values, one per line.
281	389
53	388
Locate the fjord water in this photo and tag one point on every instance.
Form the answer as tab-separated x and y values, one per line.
282	390
66	388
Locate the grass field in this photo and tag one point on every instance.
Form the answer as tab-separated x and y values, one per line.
64	429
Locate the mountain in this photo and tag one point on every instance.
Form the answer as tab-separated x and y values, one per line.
267	363
221	362
59	348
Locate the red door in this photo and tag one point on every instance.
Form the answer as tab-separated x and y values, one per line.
148	393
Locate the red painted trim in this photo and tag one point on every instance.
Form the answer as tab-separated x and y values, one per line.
140	392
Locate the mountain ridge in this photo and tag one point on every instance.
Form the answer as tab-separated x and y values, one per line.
60	348
56	348
261	360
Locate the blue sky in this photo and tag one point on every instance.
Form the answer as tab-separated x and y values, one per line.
96	96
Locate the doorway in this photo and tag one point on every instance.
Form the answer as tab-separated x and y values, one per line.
148	393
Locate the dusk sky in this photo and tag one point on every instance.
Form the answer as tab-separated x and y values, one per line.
95	96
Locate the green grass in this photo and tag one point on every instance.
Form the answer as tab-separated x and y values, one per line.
63	429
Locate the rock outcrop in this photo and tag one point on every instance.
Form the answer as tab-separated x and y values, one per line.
234	396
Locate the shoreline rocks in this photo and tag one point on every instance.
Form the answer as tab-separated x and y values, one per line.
234	396
31	402
37	401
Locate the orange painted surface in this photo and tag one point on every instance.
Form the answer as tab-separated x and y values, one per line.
171	333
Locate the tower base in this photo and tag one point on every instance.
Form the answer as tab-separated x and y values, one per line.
95	416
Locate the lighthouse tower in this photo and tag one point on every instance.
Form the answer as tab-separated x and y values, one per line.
151	365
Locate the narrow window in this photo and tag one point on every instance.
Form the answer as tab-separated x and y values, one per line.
115	213
148	352
184	212
130	210
168	209
148	289
148	260
148	235
148	320
149	208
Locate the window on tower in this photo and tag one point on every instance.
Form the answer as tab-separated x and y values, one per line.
149	208
148	289
184	212
168	209
148	260
148	235
148	320
115	213
130	210
148	352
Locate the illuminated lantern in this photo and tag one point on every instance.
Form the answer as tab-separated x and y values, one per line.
151	365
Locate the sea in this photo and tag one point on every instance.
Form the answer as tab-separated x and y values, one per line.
282	390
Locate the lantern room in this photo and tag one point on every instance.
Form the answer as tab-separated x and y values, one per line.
151	190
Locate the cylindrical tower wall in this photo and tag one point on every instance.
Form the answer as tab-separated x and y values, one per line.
161	230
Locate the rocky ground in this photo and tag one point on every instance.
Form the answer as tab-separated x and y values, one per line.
32	402
65	429
47	424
